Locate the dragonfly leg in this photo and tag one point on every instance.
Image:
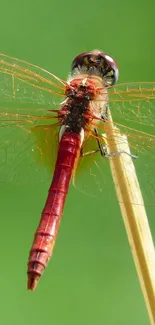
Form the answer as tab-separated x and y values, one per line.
101	149
83	154
113	154
104	152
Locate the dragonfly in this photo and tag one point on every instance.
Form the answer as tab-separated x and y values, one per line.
66	137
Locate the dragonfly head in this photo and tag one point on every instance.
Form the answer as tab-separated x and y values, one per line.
96	63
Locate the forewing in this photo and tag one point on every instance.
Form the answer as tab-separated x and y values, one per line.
132	107
28	94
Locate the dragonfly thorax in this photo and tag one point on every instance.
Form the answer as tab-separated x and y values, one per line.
78	110
77	114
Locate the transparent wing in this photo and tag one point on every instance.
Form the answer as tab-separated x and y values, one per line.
133	110
95	173
24	82
27	96
132	107
134	103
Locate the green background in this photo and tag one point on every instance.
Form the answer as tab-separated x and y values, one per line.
91	279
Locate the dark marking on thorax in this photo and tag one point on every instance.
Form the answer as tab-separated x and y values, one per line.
76	110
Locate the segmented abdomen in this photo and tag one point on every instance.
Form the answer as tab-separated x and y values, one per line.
41	251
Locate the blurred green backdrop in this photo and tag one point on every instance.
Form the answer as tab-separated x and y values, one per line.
91	279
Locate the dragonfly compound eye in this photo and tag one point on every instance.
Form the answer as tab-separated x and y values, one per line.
96	63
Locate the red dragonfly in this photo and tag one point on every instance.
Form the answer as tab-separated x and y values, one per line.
65	137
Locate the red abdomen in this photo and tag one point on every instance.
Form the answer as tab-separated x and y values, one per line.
41	251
